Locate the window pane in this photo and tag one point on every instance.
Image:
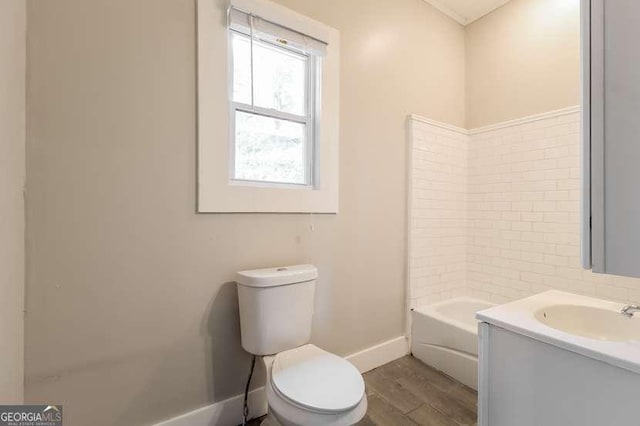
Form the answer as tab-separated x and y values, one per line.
269	149
241	68
279	76
279	79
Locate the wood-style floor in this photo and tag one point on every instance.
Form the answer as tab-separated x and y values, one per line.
407	392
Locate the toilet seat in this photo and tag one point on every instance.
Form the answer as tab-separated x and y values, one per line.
316	380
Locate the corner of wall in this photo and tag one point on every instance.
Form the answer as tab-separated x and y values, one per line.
12	183
438	211
510	227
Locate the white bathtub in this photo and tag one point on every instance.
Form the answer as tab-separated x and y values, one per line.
445	336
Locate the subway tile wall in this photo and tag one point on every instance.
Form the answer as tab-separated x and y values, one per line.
521	224
438	213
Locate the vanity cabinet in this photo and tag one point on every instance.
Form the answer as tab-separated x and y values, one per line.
611	136
527	382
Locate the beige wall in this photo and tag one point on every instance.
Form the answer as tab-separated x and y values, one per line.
131	313
12	172
523	59
397	58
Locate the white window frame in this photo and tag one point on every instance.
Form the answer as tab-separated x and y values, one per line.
217	191
310	119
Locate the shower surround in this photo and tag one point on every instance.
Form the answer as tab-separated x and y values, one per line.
494	213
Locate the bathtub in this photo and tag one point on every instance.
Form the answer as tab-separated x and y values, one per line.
445	336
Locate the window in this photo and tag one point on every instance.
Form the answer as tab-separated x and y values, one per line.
272	104
274	146
273	100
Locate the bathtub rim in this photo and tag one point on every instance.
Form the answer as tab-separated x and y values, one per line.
432	311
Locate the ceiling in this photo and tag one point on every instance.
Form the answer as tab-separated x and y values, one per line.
466	11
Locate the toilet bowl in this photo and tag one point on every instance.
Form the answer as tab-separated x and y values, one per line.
305	385
311	387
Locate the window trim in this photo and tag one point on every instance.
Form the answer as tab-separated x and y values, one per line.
310	119
215	193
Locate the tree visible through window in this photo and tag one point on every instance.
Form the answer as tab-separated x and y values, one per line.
273	108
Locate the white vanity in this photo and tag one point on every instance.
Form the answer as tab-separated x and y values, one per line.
558	359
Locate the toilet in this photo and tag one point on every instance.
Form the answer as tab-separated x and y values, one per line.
305	385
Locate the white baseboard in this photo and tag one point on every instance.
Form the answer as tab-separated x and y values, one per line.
229	411
378	355
222	413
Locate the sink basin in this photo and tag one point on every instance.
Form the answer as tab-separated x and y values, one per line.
590	322
584	325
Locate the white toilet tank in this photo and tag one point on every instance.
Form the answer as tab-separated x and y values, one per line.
276	307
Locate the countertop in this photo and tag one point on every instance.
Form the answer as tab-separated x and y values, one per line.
519	317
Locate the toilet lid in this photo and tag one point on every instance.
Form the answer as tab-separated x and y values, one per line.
317	380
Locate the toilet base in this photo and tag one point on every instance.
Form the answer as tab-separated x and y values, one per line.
270	420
